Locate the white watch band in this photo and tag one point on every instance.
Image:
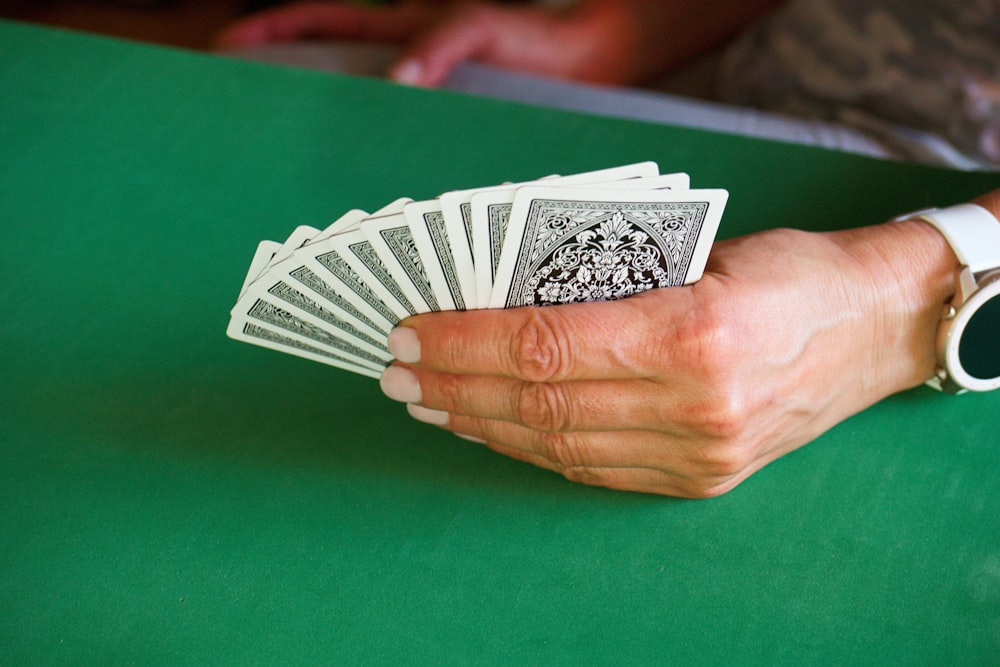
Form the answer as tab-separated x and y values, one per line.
974	236
971	230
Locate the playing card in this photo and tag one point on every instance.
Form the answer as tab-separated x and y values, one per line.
274	304
352	219
624	172
256	322
677	181
320	300
344	223
392	208
249	332
324	275
357	252
341	322
456	208
570	245
434	246
267	251
268	315
333	295
261	256
298	238
267	256
392	242
490	212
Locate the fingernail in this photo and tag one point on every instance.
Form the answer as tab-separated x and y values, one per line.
408	72
426	415
470	438
400	384
403	345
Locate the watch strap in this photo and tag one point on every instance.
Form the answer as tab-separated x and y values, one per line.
974	236
971	230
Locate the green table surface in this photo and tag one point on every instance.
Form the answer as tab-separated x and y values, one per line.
170	496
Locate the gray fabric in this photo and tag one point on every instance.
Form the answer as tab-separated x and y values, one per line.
921	75
659	107
646	105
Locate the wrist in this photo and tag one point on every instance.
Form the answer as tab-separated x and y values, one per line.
940	269
965	343
910	270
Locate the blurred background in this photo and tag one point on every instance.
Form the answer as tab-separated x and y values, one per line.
185	23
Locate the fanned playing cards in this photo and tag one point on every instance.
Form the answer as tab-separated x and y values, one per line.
333	295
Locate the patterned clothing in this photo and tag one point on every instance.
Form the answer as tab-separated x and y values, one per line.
921	75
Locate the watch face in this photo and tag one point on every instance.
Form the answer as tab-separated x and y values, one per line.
979	350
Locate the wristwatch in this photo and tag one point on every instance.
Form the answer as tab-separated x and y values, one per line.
968	339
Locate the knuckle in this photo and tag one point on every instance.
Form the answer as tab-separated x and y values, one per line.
725	416
721	401
726	461
565	451
708	340
705	489
543	407
722	413
539	352
589	476
448	394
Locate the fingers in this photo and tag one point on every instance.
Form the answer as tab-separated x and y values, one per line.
324	20
432	56
639	480
440	36
631	460
597	405
608	341
530	39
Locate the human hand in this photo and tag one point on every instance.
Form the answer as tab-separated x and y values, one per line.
687	391
590	41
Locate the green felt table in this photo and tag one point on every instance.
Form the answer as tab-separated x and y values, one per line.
170	496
